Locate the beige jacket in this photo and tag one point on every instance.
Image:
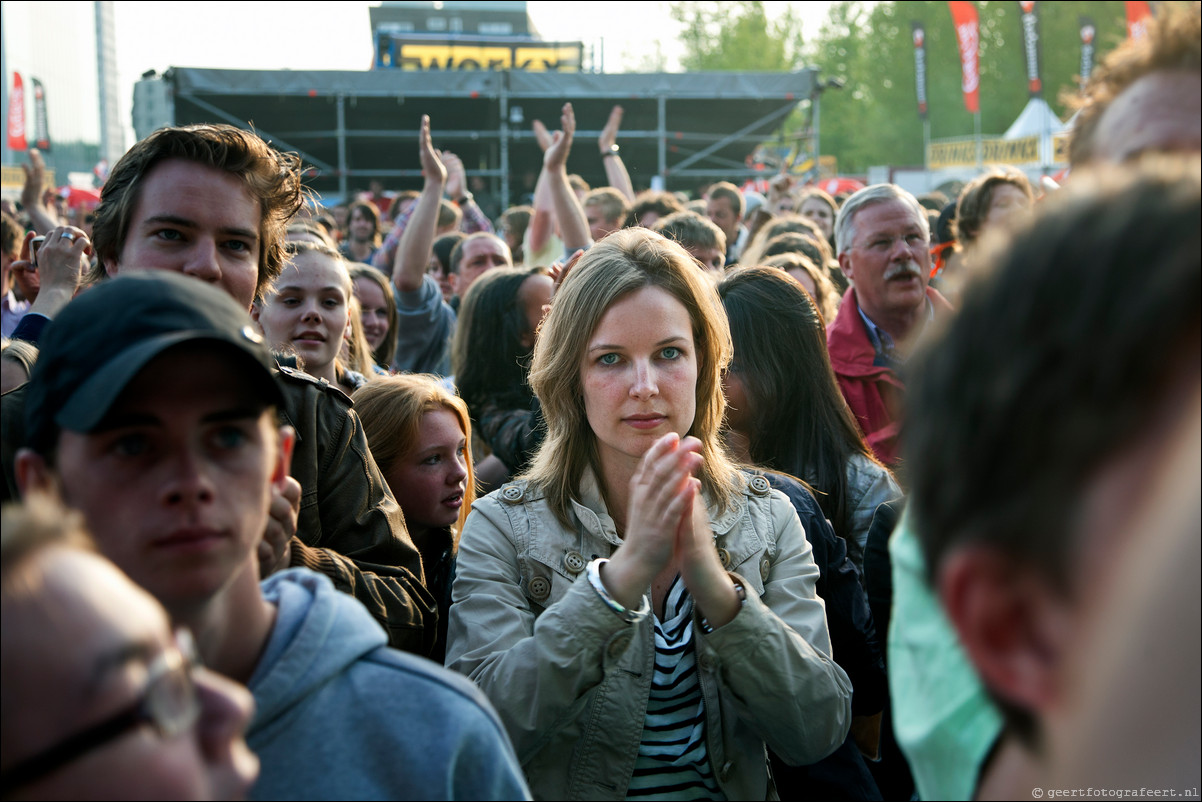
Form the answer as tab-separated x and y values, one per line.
571	680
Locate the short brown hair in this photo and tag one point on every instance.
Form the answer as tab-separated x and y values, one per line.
272	177
691	230
613	204
725	189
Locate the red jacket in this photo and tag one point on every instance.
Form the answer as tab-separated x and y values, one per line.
875	394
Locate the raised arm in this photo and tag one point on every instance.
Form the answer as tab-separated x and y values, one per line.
473	219
31	194
542	222
615	168
413	255
573	224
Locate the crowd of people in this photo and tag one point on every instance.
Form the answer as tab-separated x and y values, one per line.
619	495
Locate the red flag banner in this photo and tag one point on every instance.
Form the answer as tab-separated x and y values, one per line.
964	17
16	115
1028	16
1138	15
920	67
41	124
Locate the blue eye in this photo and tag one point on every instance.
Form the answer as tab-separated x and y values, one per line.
671	352
230	437
130	445
608	359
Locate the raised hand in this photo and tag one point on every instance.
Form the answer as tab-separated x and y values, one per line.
456	175
275	549
556	155
432	167
541	134
609	134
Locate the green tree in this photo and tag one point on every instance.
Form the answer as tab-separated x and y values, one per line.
874	119
737	37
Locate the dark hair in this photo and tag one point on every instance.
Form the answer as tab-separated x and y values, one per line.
1056	362
803	425
394	207
725	189
369	211
662	203
444	246
270	176
488	358
691	230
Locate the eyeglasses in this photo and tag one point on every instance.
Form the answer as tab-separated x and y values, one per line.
169	704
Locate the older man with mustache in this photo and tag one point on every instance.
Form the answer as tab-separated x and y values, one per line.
884	245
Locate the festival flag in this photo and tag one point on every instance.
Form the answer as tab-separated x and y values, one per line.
920	67
1089	32
964	17
1029	18
1138	14
16	115
41	124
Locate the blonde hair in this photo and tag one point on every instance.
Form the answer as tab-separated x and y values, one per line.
392	408
622	263
358	351
826	296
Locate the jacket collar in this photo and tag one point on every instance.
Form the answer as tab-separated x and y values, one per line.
847	338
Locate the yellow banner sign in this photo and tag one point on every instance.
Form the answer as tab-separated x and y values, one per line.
415	56
993	151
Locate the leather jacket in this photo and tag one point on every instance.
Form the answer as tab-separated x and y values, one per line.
350	527
571	679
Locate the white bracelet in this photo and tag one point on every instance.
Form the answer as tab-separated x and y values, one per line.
627	616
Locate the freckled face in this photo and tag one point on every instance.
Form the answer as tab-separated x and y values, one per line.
639	375
429	479
309	310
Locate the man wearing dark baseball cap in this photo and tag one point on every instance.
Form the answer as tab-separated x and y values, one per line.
152	411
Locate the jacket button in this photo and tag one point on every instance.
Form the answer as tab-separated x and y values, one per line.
765	568
760	486
540	588
726	770
573	562
512	494
724	556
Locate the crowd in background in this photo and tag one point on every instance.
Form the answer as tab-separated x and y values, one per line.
612	493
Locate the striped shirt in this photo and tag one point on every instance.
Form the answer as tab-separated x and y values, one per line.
673	761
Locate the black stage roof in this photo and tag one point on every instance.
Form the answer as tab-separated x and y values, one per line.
354	127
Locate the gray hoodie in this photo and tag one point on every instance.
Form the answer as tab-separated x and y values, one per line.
339	715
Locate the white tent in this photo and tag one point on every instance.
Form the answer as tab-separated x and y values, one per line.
1037	119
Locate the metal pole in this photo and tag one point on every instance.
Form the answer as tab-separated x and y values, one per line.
817	114
976	119
926	151
342	182
505	140
662	138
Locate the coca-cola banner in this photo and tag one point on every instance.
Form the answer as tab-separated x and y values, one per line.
920	67
1089	32
1139	14
964	17
41	124
16	115
1029	18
